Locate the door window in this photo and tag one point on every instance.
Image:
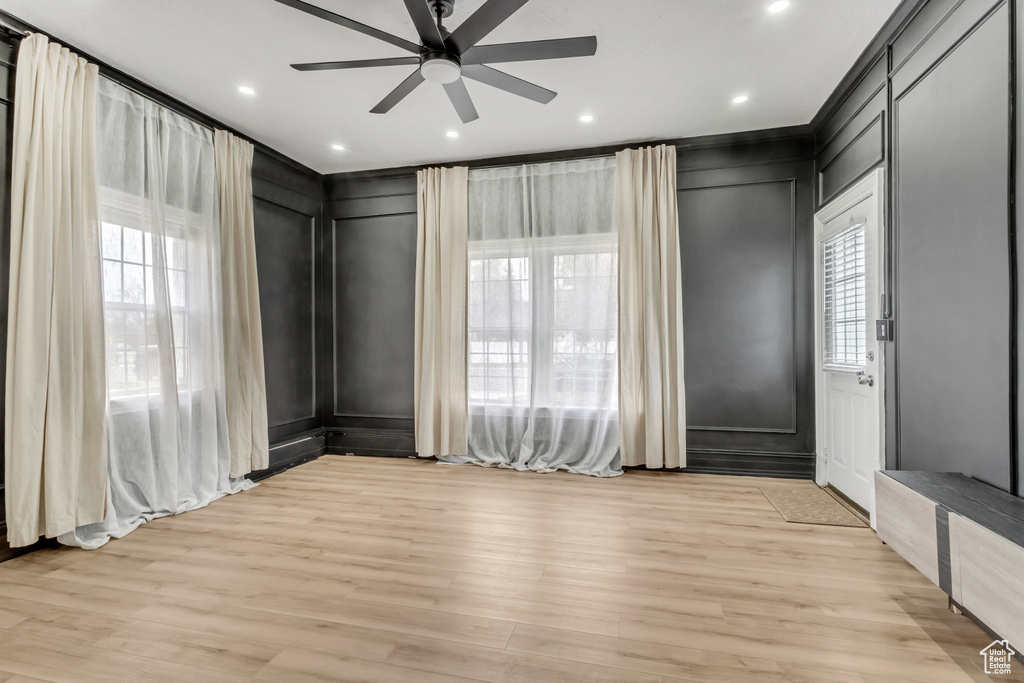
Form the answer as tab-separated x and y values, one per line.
845	298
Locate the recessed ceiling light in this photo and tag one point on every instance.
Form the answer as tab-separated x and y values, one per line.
246	90
338	148
740	99
778	6
586	118
452	134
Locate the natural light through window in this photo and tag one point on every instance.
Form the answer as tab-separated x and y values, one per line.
585	328
845	286
133	327
558	304
499	329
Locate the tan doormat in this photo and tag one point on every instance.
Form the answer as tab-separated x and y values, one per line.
809	505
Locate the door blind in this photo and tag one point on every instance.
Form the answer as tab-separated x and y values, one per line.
845	298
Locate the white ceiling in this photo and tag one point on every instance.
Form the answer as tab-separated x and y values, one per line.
663	69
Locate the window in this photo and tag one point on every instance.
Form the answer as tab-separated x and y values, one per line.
585	327
135	276
499	329
552	302
845	296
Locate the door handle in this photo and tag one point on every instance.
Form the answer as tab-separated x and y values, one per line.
865	379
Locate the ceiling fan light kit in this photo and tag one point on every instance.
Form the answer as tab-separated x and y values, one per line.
440	67
446	58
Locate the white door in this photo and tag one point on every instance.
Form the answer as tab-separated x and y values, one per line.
848	300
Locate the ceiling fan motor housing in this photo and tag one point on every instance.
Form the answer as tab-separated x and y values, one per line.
446	7
440	67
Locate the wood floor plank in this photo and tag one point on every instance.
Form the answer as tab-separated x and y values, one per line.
622	601
8	618
304	666
504	666
515	609
388	570
392	617
171	672
672	659
271	627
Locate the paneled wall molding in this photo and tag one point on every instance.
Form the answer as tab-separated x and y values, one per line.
791	396
293	451
876	49
750	463
953	30
940	116
932	202
841	169
298	416
369	381
868	86
338	186
371	269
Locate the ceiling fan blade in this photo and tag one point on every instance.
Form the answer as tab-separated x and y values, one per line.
459	96
352	24
426	24
482	22
357	64
399	93
531	51
503	81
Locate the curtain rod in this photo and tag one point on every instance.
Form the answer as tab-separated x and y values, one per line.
11	29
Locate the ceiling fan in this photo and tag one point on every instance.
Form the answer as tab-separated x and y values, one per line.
446	57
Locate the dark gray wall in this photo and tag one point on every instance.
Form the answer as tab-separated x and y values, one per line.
745	206
287	200
932	102
370	266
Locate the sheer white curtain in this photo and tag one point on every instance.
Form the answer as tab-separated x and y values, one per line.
162	305
55	446
542	318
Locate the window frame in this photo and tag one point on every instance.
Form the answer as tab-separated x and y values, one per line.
828	322
130	211
540	253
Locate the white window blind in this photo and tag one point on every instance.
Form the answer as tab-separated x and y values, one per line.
845	298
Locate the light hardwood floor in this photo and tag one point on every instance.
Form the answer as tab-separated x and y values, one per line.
381	570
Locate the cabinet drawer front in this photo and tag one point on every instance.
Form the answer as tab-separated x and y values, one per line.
990	577
906	521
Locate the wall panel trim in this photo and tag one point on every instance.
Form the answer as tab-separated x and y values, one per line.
313	307
334	323
794	261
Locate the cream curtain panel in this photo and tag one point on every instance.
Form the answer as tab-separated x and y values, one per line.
55	439
440	363
243	332
652	403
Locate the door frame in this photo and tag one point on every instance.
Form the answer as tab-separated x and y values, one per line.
872	188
